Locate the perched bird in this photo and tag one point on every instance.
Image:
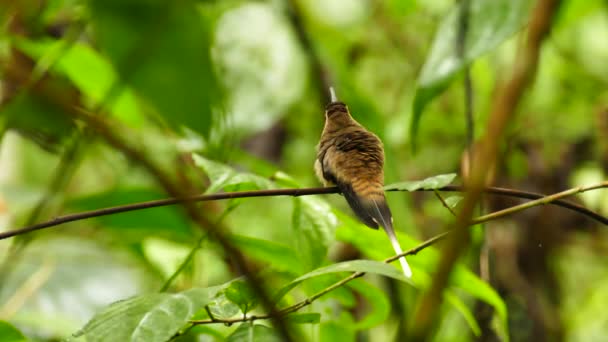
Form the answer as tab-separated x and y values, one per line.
352	158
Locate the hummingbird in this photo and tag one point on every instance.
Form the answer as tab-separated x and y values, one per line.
352	158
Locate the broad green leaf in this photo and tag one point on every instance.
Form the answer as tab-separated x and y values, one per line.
430	183
224	177
379	305
240	293
304	318
490	23
279	256
162	49
147	318
248	332
466	280
314	225
367	266
92	74
222	308
9	333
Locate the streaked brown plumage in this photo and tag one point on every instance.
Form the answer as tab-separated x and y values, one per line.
352	158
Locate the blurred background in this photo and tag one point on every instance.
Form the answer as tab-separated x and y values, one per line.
242	84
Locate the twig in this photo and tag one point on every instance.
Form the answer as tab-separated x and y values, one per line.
438	195
504	106
270	193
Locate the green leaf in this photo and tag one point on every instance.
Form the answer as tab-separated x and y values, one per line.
151	317
10	333
453	201
223	308
224	177
162	49
367	266
253	333
435	182
304	318
314	226
240	293
464	311
90	72
279	256
464	279
490	23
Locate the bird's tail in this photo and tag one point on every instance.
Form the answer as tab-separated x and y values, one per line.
407	271
374	211
382	214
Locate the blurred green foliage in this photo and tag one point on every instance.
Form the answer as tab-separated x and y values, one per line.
228	96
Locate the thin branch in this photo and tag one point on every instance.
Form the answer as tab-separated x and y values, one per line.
271	193
440	198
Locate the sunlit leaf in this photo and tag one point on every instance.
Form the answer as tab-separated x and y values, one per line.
453	201
147	318
224	177
490	23
430	183
93	75
10	333
222	308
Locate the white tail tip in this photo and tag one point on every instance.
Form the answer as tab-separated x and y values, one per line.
332	94
406	267
407	271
